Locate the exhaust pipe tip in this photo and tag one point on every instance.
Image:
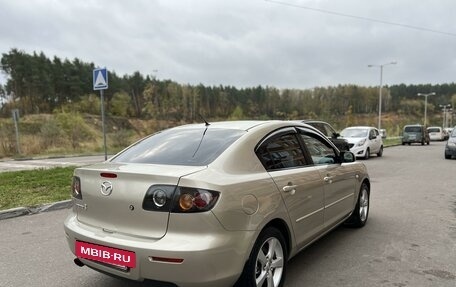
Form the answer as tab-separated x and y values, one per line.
78	262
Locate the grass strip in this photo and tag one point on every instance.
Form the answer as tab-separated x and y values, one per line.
34	187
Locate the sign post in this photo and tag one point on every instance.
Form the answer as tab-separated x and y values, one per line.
100	83
15	113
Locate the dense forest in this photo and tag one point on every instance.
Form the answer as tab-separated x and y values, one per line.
39	85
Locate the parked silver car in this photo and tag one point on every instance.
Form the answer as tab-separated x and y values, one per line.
214	204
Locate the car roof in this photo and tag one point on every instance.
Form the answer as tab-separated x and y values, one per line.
242	125
237	125
360	127
312	121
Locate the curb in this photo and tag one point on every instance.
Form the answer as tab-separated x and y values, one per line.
20	211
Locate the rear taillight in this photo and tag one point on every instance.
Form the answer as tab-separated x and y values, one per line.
169	198
194	199
76	188
159	198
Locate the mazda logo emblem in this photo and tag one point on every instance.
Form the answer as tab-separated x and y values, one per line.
106	188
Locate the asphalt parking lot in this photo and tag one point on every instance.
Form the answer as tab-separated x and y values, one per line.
409	240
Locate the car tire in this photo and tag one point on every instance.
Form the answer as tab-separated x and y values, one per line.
403	143
367	154
361	212
422	142
380	152
267	262
447	156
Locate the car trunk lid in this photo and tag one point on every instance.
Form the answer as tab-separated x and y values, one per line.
113	194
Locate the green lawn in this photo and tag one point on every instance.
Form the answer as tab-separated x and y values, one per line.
391	141
34	187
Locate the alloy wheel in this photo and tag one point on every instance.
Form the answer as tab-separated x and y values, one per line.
269	264
363	205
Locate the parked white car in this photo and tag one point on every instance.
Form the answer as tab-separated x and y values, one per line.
436	133
363	141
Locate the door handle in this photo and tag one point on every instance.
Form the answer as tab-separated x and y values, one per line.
290	188
328	179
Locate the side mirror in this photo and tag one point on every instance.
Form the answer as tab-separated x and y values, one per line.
335	135
347	156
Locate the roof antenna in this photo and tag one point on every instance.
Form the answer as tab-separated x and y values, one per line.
204	120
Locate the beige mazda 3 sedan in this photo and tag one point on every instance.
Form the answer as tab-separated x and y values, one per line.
219	204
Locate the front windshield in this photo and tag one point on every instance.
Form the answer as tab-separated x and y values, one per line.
354	133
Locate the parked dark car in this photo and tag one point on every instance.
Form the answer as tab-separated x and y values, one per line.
450	147
415	134
330	133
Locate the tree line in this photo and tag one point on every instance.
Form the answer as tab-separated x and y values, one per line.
36	84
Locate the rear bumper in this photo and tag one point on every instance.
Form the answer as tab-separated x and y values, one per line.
212	259
436	138
417	139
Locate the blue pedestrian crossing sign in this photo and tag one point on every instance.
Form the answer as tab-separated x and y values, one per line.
100	79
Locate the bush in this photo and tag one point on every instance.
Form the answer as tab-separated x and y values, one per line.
121	138
51	134
119	105
74	128
7	140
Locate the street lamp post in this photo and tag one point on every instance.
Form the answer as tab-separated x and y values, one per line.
444	113
380	91
449	118
425	105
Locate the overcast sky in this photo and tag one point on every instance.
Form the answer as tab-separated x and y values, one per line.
283	43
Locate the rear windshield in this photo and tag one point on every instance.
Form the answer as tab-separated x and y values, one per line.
434	130
195	147
412	129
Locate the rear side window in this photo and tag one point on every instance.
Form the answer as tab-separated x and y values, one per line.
195	147
320	151
280	152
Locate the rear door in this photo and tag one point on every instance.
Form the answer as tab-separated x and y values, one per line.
298	181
